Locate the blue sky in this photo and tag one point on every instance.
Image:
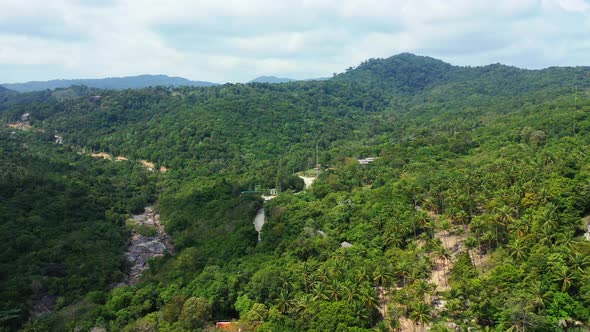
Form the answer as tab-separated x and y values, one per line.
235	41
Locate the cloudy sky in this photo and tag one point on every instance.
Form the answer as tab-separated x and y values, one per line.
237	40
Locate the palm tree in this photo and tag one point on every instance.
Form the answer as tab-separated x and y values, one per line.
360	311
303	306
470	244
421	314
522	226
488	237
423	288
319	293
342	256
307	276
564	276
551	214
287	284
391	319
393	239
443	254
517	250
441	327
477	226
337	269
546	236
403	271
504	214
382	275
369	298
334	290
423	220
323	274
520	317
537	291
579	261
414	222
462	217
445	226
348	293
455	308
380	222
565	239
284	301
362	275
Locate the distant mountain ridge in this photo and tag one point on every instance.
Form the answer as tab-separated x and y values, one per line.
271	79
132	82
404	73
115	83
275	80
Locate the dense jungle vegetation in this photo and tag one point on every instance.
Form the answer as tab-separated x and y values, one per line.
472	216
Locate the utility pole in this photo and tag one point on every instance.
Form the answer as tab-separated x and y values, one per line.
317	161
575	107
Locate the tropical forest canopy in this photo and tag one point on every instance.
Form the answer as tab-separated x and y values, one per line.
472	214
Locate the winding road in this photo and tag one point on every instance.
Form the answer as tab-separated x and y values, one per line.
259	222
308	180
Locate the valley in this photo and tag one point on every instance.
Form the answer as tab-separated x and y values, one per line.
450	198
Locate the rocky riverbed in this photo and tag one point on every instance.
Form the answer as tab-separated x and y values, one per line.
148	240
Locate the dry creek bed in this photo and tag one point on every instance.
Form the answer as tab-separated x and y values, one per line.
142	248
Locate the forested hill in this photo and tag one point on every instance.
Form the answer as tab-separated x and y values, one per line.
116	83
5	95
4	92
471	215
411	74
245	127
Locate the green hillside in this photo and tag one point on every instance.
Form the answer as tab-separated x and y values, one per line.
472	214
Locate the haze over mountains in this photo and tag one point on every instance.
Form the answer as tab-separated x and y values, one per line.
271	79
116	83
131	82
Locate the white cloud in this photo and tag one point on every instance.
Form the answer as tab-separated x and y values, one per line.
580	6
235	40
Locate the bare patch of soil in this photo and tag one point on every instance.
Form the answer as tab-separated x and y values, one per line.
102	155
20	126
147	164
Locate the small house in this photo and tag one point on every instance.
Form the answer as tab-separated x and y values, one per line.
367	160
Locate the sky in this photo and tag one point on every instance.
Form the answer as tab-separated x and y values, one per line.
238	40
